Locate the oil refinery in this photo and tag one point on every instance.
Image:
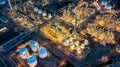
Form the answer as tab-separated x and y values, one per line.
59	33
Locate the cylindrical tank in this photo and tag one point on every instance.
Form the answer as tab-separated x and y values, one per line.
79	50
82	46
2	2
86	42
44	13
32	61
39	11
35	9
24	53
34	45
71	39
108	6
72	46
49	16
77	43
42	52
66	42
118	47
104	2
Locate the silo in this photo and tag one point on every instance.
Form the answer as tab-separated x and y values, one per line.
24	53
34	45
42	52
32	61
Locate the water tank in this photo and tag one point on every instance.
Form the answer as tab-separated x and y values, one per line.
35	9
42	52
66	42
44	13
32	61
24	53
34	45
108	6
39	11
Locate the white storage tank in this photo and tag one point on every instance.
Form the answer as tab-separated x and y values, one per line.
82	46
40	11
79	50
104	2
34	45
32	61
24	53
86	42
71	39
108	6
72	46
2	2
35	9
66	42
42	52
49	16
44	13
77	43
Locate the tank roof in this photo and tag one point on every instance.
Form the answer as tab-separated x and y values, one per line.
33	43
31	59
42	50
22	50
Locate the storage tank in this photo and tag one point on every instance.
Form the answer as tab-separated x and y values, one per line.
82	46
35	9
118	46
34	45
44	13
66	42
72	46
2	2
42	52
40	11
104	2
79	50
108	6
77	43
86	42
24	53
49	16
32	61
